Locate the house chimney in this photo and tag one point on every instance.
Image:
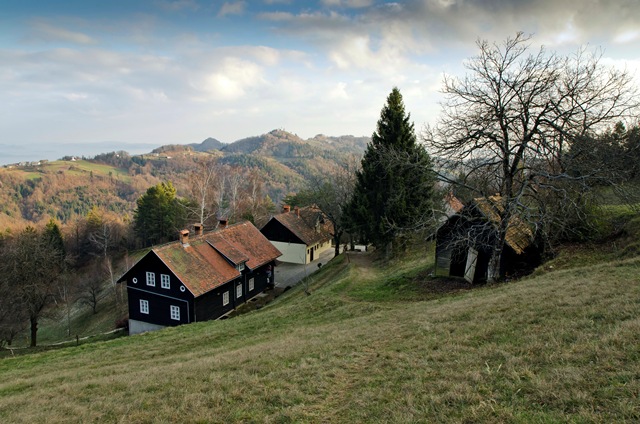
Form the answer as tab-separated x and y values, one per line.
297	211
198	228
184	237
286	208
222	223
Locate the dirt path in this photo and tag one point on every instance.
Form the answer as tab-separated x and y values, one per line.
363	262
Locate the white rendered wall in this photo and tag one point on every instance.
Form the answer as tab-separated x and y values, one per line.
291	252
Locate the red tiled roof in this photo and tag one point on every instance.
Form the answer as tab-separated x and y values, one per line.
229	252
201	265
309	225
246	239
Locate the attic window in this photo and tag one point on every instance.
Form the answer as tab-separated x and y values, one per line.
165	281
151	279
240	267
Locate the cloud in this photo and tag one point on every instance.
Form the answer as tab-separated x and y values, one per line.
177	5
354	4
44	31
233	79
232	8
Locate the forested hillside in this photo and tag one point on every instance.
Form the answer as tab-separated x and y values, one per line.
68	189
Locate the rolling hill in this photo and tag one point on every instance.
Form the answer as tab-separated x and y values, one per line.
66	189
372	343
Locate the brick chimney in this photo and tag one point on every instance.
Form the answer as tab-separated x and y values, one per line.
297	211
222	223
286	208
184	237
198	229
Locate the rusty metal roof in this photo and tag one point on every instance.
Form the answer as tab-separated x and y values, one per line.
519	235
308	224
209	261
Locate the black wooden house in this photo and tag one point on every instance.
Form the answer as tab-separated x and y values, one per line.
464	243
198	278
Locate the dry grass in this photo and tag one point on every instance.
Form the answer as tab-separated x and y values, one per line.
560	347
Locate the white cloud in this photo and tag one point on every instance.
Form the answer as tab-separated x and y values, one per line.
232	8
627	36
354	4
44	31
234	78
177	5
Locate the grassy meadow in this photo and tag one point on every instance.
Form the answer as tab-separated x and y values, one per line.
372	343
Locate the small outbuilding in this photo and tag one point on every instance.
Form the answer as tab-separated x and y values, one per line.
464	243
200	277
301	234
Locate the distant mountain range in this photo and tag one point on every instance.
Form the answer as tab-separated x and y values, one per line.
280	143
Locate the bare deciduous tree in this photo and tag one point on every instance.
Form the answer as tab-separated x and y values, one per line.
205	184
514	118
331	192
30	267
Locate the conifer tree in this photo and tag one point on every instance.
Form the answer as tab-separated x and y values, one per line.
159	215
394	188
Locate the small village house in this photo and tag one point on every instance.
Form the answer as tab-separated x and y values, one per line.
301	234
200	277
464	243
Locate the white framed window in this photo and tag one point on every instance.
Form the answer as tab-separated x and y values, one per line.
144	306
225	298
165	281
151	279
252	286
175	312
241	267
239	290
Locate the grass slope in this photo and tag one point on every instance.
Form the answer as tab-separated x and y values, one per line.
558	347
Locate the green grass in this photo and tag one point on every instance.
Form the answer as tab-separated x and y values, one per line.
78	167
558	347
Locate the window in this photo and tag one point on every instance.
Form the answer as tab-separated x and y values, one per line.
151	279
144	306
239	290
251	285
225	298
164	281
241	267
175	312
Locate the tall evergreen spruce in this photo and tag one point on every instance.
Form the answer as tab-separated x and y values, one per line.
159	215
394	190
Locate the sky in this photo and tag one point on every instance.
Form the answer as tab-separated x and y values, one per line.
83	77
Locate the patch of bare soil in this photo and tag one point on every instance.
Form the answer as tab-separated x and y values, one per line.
363	261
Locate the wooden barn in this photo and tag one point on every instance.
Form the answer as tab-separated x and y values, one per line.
198	278
300	234
463	243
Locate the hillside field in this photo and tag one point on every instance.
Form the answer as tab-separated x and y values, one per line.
372	343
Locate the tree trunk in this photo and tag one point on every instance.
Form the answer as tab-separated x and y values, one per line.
336	242
493	271
34	330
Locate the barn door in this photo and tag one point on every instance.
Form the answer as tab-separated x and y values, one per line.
470	268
